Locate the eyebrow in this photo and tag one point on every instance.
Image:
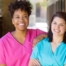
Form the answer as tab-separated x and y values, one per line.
23	14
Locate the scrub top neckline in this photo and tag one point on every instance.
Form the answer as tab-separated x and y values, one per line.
53	53
17	40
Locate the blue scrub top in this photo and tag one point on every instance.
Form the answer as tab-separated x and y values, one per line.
43	53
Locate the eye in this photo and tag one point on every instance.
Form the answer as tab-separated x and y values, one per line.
54	23
25	16
61	24
17	17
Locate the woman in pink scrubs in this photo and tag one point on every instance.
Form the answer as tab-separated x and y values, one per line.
16	46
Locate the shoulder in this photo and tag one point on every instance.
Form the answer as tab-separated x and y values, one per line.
37	31
34	29
3	38
43	42
63	44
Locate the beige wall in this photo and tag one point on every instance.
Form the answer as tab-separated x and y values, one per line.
6	24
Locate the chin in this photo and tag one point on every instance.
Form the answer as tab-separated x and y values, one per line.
22	29
56	34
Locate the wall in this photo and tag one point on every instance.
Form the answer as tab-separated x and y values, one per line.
6	22
59	5
65	5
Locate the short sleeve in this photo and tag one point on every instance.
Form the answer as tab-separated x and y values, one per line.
34	54
38	32
38	48
2	56
65	61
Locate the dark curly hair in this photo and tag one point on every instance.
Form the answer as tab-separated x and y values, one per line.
23	5
61	15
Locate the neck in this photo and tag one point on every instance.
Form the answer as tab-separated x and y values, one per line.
57	39
19	33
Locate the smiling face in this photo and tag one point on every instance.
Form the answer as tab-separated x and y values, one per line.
58	26
20	20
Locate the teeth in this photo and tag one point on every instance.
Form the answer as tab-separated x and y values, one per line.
56	31
21	24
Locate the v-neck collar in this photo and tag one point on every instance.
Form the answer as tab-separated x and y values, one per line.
54	53
16	40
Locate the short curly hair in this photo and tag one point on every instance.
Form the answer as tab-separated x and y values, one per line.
23	5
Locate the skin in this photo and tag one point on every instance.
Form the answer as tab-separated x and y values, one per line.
58	28
2	65
34	62
20	21
38	38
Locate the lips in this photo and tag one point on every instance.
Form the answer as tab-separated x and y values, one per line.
21	24
57	31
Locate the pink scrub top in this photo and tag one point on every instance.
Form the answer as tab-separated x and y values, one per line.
12	53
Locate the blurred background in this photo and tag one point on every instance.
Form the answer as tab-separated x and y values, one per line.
41	14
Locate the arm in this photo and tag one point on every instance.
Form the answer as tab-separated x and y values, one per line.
38	38
2	56
2	65
34	62
65	62
35	56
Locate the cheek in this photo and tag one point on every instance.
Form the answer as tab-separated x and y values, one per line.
27	22
12	21
52	26
63	29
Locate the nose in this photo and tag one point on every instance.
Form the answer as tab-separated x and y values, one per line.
57	26
21	19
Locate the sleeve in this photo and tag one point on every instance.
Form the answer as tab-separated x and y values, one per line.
65	61
2	56
38	49
38	32
34	54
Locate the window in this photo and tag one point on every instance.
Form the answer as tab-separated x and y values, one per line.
42	12
38	18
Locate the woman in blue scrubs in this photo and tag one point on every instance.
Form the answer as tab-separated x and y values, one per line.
51	51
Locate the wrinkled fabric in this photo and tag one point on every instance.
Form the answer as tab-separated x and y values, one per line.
12	53
43	53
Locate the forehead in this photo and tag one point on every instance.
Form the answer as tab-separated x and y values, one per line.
19	11
59	20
